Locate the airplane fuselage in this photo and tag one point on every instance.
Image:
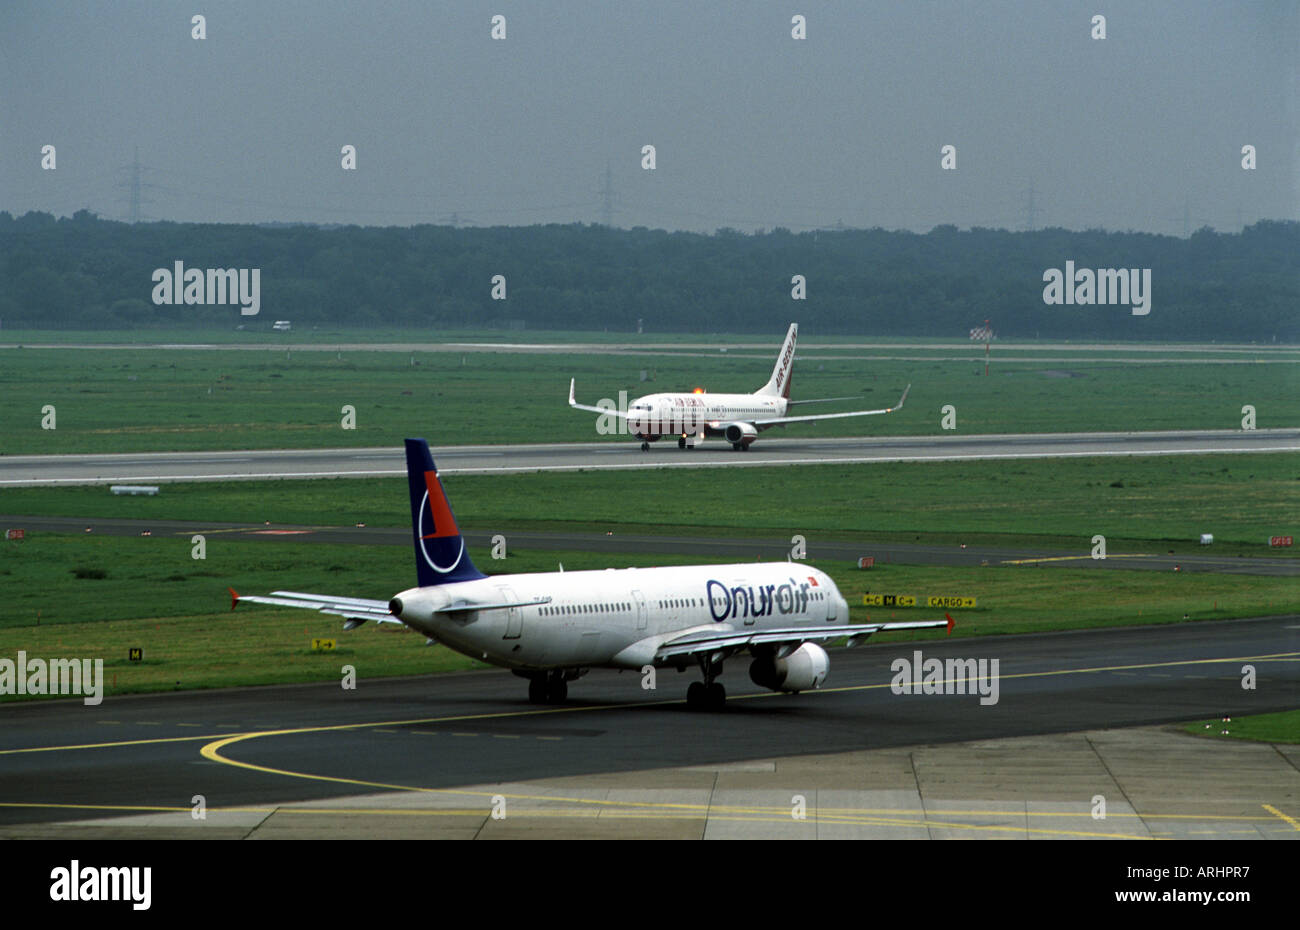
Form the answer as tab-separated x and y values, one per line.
656	415
618	618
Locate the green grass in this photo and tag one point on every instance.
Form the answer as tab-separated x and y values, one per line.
154	596
157	400
1164	503
1282	727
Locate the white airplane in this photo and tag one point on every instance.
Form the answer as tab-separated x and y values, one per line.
553	627
738	418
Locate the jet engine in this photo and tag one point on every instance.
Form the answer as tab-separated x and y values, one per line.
802	670
740	434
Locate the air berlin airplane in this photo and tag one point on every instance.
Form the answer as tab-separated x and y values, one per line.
738	418
553	627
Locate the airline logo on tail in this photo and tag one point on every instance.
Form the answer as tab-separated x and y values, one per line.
440	555
780	381
439	519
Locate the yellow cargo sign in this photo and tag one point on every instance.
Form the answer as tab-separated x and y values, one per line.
909	600
950	602
322	645
889	600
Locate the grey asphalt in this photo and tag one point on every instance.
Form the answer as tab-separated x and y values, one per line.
620	453
478	728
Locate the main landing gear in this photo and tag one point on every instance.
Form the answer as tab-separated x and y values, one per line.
645	447
548	688
707	694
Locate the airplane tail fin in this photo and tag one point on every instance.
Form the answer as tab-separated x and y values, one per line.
440	556
779	384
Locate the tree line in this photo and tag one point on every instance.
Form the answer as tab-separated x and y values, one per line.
82	272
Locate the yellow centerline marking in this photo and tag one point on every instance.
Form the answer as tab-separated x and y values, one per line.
112	745
1273	810
1076	558
1280	656
693	812
632	810
782	811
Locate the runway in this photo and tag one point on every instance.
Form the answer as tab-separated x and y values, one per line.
621	453
412	745
920	351
744	549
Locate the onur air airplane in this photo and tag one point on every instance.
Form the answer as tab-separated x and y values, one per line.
738	418
553	627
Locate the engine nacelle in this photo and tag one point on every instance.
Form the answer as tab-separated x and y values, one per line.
743	433
802	670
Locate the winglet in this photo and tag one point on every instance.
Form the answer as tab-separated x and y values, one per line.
234	598
572	402
951	623
902	400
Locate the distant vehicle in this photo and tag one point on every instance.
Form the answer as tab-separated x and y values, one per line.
738	418
281	326
552	627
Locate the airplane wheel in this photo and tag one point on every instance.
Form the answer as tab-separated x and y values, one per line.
558	691
645	447
681	443
695	695
716	696
738	446
537	691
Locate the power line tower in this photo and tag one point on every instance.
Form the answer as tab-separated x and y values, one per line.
607	198
1031	213
133	185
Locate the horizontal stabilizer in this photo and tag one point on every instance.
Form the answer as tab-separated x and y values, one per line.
350	608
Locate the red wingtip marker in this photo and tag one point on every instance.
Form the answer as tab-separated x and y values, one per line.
234	599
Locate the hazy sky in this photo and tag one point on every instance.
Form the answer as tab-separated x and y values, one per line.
753	129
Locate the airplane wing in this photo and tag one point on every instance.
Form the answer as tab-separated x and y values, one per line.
762	424
614	411
821	400
357	611
710	640
354	610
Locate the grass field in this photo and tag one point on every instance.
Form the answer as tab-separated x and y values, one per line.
1139	504
78	595
1283	727
159	400
71	596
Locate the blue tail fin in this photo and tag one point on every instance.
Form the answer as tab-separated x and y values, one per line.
440	556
